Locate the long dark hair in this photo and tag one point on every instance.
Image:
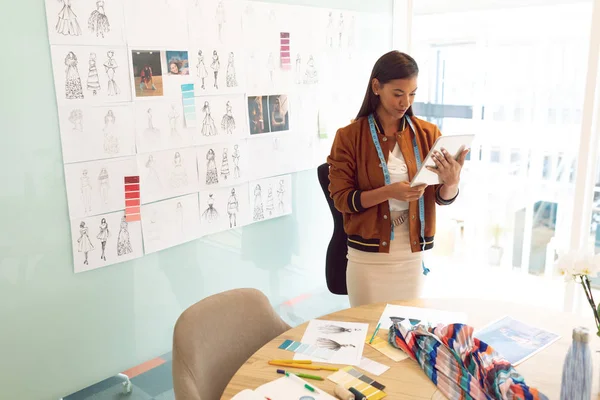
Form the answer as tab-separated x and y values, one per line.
390	66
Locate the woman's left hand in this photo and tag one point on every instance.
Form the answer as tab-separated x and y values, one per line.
447	168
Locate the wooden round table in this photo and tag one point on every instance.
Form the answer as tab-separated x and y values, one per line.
405	379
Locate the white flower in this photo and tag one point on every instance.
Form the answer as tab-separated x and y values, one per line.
576	263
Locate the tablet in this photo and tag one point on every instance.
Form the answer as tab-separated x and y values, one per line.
454	144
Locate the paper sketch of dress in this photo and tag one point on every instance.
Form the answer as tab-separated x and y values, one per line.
271	67
152	178
67	21
236	162
179	212
179	176
104	183
173	117
220	18
210	214
151	133
216	66
225	165
86	191
233	208
111	67
123	241
340	30
311	76
230	77
258	214
84	244
76	118
335	329
93	81
208	124
103	236
298	70
280	196
111	142
331	344
98	22
212	176
330	31
228	122
73	88
270	207
202	72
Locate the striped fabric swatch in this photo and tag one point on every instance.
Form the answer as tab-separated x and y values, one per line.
132	198
189	105
460	365
307	349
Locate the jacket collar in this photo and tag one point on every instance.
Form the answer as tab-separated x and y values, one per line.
401	124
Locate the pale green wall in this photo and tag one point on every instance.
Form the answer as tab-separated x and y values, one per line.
60	332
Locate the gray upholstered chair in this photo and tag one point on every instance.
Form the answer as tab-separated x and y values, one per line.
215	336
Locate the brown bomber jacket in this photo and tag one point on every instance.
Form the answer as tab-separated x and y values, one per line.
354	167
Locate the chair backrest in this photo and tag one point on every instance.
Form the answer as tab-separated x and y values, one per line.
214	337
337	251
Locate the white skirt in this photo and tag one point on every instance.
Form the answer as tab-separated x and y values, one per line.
384	277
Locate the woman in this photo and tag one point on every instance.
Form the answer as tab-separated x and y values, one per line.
383	221
278	116
146	79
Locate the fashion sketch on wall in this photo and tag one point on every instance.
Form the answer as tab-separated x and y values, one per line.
84	244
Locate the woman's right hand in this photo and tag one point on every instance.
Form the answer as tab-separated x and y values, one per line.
403	192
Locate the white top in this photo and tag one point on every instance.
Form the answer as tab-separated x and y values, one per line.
398	173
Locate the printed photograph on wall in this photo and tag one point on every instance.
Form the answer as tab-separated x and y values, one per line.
147	73
177	62
258	114
278	113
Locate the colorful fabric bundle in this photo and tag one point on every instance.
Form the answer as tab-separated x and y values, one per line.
460	365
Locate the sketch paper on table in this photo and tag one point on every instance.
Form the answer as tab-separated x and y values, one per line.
220	118
104	240
223	208
159	125
147	73
216	21
96	187
168	173
217	69
423	314
90	74
170	222
271	197
223	164
162	24
78	22
347	339
93	133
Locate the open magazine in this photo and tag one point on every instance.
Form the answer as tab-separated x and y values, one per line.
515	340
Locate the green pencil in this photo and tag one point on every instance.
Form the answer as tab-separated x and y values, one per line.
375	333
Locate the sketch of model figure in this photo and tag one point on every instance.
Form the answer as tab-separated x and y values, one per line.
298	70
93	81
233	208
73	88
76	118
216	66
179	212
270	207
271	67
104	182
173	117
202	72
123	241
212	176
103	237
67	21
329	32
152	133
111	142
210	214
86	191
230	78
98	22
179	176
220	17
236	162
152	178
228	122
225	165
340	30
111	67
311	76
208	124
280	196
84	243
258	204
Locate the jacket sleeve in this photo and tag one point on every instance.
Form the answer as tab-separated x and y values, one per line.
342	175
438	198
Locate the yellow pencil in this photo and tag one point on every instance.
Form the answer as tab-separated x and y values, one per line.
326	368
300	366
293	361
